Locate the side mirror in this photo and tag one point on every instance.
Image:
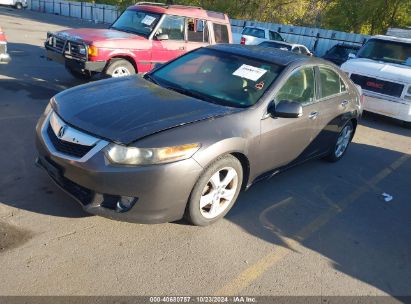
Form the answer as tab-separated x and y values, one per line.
351	56
162	37
286	109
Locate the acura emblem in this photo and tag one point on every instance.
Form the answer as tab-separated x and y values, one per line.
62	131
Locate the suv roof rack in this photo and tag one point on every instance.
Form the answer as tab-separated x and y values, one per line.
152	3
185	6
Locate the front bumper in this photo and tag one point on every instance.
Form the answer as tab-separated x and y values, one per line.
75	64
5	58
387	106
97	185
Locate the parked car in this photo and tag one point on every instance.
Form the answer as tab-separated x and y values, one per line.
291	47
339	53
145	34
4	56
256	35
383	70
18	4
188	136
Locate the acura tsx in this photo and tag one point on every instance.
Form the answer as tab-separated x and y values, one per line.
184	139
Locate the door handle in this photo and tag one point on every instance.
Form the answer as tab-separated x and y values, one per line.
313	115
344	103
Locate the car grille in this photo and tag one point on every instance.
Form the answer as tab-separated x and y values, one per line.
378	85
66	147
67	47
3	48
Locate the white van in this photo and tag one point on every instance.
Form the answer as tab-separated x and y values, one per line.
383	70
19	4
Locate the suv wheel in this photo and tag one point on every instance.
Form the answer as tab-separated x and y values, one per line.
215	192
19	6
119	68
342	142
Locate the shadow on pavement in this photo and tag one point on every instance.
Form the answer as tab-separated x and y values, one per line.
384	123
338	211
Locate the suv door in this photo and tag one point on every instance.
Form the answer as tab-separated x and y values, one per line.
169	39
284	140
335	101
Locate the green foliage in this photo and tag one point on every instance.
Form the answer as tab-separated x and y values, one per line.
357	16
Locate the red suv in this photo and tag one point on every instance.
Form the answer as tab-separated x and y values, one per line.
144	35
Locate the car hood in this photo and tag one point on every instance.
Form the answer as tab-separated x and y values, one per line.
124	110
96	35
381	70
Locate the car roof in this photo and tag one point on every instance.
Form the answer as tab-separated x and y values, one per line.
272	55
181	10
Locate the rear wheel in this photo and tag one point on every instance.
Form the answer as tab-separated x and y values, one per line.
119	68
215	192
341	144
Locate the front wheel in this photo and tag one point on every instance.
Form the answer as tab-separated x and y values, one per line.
341	144
119	68
215	192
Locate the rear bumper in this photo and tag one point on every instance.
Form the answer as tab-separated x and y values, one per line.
5	58
387	106
74	64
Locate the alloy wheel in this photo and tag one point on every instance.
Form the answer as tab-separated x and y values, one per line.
120	72
343	140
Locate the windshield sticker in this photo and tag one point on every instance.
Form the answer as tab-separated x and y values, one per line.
148	20
260	85
249	72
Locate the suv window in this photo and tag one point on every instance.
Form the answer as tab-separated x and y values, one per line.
173	26
255	32
331	83
197	30
220	33
275	36
300	87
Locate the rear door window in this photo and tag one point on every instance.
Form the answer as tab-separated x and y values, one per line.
275	36
197	30
331	83
220	33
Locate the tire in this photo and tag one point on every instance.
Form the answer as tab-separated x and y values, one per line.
79	75
407	124
19	6
119	68
341	143
216	202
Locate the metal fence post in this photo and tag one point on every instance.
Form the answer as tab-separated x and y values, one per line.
104	13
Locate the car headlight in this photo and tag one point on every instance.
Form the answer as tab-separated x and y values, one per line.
123	155
82	50
48	109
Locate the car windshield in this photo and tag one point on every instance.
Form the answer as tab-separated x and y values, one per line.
136	22
255	32
342	51
276	45
387	51
218	77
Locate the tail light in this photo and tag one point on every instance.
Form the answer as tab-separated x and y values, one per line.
362	99
243	40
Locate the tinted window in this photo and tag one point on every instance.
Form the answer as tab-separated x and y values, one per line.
221	33
388	51
250	31
197	30
331	83
275	36
138	22
300	87
218	77
173	26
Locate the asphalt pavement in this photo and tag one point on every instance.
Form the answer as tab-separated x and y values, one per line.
319	229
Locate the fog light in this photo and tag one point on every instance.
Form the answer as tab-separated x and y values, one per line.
125	203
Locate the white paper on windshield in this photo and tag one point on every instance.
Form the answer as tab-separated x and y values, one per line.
148	20
249	72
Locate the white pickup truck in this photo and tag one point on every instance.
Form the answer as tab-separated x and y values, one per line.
383	70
